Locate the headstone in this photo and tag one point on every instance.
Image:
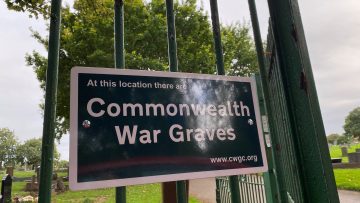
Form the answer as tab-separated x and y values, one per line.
32	186
6	184
60	187
38	174
344	151
354	157
10	171
54	176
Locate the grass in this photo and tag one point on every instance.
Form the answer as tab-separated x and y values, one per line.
149	193
335	152
29	174
348	179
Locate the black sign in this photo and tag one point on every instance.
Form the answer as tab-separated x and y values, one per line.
134	127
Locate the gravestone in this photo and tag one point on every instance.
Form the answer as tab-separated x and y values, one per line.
32	186
38	174
10	171
54	176
6	184
60	187
344	151
354	157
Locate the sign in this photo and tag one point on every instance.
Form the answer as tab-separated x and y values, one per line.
134	127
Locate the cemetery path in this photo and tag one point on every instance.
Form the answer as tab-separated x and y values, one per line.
349	196
203	189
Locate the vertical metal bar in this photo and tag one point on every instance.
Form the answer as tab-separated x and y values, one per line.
253	188
217	37
181	190
234	189
120	192
171	34
233	181
270	180
218	194
119	34
47	150
311	150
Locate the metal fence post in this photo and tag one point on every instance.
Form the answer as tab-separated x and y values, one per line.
47	150
233	180
311	150
120	192
271	184
181	186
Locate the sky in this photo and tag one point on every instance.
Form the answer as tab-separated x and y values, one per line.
332	30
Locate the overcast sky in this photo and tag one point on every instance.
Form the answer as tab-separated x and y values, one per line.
332	29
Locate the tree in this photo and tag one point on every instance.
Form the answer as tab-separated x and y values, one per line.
8	144
352	124
62	164
87	40
332	138
337	139
30	152
342	140
34	7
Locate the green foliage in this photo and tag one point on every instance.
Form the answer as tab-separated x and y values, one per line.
332	138
352	124
239	52
342	140
62	164
337	139
347	179
87	40
8	145
34	7
30	152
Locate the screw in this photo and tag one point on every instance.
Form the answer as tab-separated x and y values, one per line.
86	124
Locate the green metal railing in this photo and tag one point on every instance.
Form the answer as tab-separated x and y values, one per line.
223	194
302	171
251	189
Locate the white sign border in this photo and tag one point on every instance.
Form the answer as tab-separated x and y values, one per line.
75	185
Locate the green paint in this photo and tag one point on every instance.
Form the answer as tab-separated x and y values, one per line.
309	178
234	184
217	37
120	194
271	182
47	152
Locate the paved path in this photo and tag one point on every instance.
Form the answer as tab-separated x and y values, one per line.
349	196
204	190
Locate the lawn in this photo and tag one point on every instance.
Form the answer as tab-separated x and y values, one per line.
150	193
335	151
348	179
141	193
